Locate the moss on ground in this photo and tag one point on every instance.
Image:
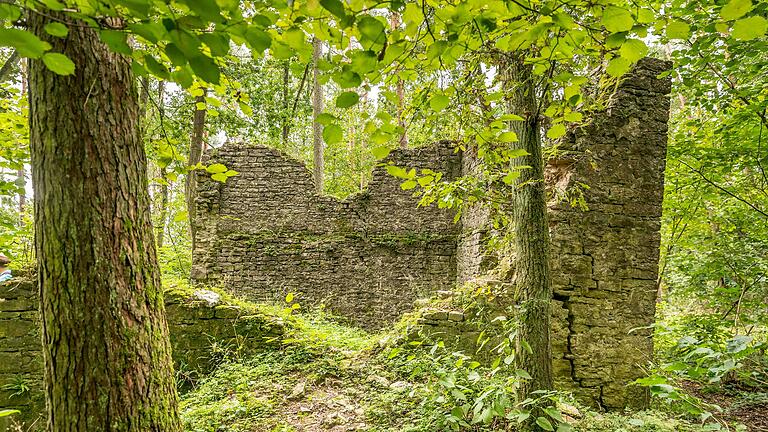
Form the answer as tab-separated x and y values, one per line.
327	376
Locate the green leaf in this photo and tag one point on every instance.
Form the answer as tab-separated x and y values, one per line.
544	423
258	39
678	30
555	414
216	168
152	32
289	298
749	28
59	63
633	50
175	55
335	7
218	43
27	44
371	29
9	12
219	177
363	62
520	372
206	9
381	152
616	19
116	41
333	134
556	131
7	412
325	119
347	79
618	66
205	68
294	37
735	9
508	137
56	29
408	185
347	99
439	102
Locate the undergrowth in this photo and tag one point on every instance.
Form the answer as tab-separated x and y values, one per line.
332	376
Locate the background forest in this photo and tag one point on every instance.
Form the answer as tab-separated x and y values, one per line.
302	97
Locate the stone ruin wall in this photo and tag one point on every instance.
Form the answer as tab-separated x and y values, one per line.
604	261
266	233
201	326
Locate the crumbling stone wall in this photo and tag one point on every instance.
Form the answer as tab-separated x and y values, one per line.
21	354
202	329
266	233
605	258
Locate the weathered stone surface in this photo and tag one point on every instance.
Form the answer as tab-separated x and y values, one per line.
266	233
605	259
202	329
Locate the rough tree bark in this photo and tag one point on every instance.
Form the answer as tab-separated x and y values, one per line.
195	156
317	109
105	341
530	266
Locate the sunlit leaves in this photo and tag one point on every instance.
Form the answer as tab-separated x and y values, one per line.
205	68
333	134
56	29
439	102
735	9
677	29
59	63
116	41
258	39
556	131
336	7
347	99
27	44
616	19
371	29
633	50
749	28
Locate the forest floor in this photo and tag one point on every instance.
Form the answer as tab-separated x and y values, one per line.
332	377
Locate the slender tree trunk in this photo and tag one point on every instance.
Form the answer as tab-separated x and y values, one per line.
105	340
286	102
160	229
22	172
317	109
394	22
195	156
530	267
21	176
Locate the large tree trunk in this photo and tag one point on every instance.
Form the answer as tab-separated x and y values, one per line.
317	109
105	340
530	266
195	156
